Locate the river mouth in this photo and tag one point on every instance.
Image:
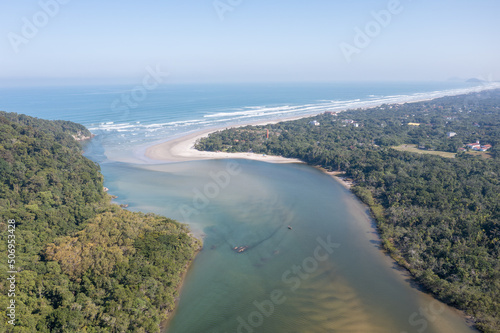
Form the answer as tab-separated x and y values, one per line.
286	249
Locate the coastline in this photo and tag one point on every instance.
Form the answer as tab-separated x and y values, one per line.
170	314
338	176
181	149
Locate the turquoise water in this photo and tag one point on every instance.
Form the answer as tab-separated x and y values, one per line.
287	280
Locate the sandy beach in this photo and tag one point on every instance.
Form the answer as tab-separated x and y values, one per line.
182	149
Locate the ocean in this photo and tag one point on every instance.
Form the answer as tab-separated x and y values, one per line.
324	274
128	118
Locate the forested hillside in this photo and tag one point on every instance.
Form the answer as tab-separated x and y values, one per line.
84	264
439	217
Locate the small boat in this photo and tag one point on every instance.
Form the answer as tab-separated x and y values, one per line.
289	227
240	249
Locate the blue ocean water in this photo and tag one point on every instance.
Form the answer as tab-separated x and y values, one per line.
126	118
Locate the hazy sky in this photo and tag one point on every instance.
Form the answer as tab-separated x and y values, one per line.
84	41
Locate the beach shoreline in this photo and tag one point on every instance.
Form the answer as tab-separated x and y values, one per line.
181	149
339	176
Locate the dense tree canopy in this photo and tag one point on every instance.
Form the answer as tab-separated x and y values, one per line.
85	265
438	217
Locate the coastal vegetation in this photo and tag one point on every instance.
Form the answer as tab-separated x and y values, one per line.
439	217
83	264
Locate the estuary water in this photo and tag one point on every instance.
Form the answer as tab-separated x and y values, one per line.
309	259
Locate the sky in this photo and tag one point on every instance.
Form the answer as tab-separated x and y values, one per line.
208	41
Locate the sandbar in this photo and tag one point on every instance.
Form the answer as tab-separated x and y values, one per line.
182	149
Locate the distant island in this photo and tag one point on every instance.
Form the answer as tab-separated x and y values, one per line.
475	80
82	264
429	171
470	80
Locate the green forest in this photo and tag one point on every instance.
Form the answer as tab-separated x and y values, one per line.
439	217
84	264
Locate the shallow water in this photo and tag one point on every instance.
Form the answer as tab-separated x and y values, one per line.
326	274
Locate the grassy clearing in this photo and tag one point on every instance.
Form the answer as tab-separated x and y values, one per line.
483	154
414	149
